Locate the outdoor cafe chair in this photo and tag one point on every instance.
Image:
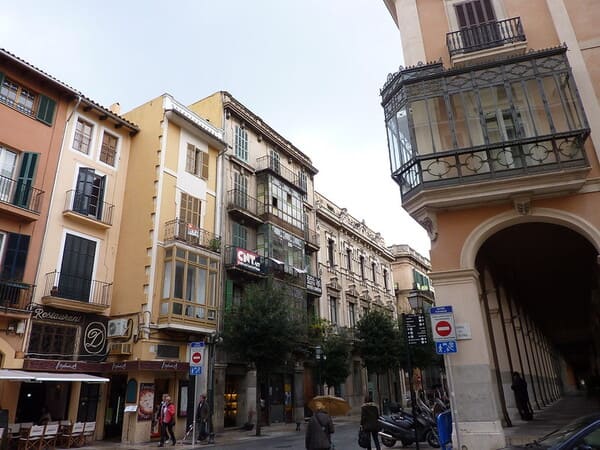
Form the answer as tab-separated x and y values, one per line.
88	431
32	439
73	435
50	435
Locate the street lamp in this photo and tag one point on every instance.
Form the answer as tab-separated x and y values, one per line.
321	356
418	301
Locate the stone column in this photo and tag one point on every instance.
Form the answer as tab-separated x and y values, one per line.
477	423
298	393
219	396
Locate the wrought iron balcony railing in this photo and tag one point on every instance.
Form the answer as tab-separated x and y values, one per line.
275	166
240	200
89	206
70	287
180	230
20	193
485	35
15	294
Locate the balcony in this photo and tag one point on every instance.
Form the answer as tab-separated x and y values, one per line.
76	293
487	132
15	295
272	165
187	315
179	230
241	206
311	239
19	199
284	272
88	209
243	260
501	36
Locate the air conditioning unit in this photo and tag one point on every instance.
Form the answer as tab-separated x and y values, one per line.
117	327
119	348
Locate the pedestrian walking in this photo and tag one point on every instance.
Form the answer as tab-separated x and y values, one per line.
167	420
319	429
202	415
369	414
519	386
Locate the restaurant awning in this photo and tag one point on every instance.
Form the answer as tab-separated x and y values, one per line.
22	375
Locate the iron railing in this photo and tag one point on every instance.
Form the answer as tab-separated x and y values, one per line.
502	160
77	288
89	206
238	199
485	35
15	294
180	230
275	166
20	193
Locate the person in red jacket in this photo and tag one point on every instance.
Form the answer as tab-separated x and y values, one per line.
167	420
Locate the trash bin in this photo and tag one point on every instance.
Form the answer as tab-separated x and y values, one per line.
444	423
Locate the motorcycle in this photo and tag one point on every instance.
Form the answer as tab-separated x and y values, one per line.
400	426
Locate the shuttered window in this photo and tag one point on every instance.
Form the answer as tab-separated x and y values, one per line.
190	209
197	162
241	143
474	12
26	101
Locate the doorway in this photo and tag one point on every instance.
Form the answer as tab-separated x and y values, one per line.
113	420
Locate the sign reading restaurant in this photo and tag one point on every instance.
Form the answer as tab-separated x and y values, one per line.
247	259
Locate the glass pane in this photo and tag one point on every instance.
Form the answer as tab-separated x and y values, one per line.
200	292
212	291
536	105
440	124
460	121
471	108
571	104
554	104
164	308
167	281
177	308
179	274
421	127
522	107
404	152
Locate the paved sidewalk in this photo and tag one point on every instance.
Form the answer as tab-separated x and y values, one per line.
227	437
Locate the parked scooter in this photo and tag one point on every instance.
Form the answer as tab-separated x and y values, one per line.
400	426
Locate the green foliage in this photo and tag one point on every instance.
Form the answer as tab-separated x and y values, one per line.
338	348
377	342
265	328
423	355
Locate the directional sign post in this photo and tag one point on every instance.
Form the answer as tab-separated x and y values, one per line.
416	329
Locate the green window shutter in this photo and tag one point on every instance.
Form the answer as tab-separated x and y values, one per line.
46	109
1	78
23	191
228	294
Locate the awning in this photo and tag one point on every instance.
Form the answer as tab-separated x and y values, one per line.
16	375
22	375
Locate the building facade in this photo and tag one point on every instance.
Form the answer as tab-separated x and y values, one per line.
493	139
268	229
356	273
167	287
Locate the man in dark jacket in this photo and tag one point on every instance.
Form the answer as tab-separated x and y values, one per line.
202	415
369	413
319	429
519	386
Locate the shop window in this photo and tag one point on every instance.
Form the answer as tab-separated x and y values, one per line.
52	341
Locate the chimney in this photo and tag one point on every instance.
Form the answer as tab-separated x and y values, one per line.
115	108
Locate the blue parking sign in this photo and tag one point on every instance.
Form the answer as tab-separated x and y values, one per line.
195	370
442	348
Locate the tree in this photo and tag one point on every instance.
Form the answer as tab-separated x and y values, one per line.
338	349
264	329
377	343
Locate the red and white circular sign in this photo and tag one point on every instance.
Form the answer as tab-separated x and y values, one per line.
443	328
196	357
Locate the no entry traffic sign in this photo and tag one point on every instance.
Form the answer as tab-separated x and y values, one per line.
196	357
442	325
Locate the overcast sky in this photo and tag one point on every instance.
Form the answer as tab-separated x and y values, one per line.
312	69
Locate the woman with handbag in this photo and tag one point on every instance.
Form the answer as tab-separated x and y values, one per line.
369	415
319	429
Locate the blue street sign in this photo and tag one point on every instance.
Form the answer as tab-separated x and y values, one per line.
195	370
442	348
440	310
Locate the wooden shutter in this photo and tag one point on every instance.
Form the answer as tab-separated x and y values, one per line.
17	246
205	157
77	268
23	191
228	294
46	109
474	13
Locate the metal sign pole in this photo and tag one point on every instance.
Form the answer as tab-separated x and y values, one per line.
452	398
195	409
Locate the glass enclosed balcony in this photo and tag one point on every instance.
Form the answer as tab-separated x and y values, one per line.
511	118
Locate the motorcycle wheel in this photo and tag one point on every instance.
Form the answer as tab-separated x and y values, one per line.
387	441
432	439
406	443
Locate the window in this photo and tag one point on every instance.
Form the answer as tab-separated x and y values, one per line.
89	193
239	234
189	211
196	162
374	272
477	23
17	246
108	151
8	162
385	279
77	267
349	259
83	136
26	101
333	312
279	199
241	143
274	162
240	186
52	341
330	252
362	267
352	315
